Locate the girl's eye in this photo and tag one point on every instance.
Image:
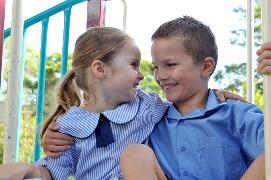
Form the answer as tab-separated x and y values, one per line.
134	64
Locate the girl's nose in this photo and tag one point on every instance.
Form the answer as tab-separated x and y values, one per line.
140	76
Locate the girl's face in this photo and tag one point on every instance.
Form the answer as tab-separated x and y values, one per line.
124	76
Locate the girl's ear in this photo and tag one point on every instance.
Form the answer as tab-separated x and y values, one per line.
208	67
98	69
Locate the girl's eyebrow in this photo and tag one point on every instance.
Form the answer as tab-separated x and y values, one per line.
135	59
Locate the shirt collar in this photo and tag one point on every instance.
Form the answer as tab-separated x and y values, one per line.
81	123
212	104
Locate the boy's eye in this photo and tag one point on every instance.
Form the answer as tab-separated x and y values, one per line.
171	64
154	68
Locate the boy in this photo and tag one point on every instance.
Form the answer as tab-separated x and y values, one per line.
199	138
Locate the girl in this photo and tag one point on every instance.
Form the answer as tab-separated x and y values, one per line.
100	106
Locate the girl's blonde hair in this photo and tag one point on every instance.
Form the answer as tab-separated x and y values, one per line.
99	43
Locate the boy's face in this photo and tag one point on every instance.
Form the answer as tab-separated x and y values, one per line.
175	71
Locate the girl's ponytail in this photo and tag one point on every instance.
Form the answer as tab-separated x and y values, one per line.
68	96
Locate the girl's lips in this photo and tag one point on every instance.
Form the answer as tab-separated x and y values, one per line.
135	85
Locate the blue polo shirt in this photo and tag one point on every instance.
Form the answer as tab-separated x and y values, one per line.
218	142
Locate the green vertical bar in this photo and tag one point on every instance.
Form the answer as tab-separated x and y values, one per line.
20	96
65	46
41	87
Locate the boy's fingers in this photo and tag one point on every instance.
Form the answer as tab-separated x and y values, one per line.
52	134
53	126
53	154
57	142
264	55
264	66
221	96
266	70
62	137
56	149
265	46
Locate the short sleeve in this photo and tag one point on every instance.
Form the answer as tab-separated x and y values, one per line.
60	167
250	127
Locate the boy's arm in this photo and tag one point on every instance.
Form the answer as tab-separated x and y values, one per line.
256	169
22	171
54	142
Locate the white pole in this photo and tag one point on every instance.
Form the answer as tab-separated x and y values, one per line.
250	44
266	25
124	15
14	82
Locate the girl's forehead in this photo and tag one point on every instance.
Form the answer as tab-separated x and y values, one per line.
131	48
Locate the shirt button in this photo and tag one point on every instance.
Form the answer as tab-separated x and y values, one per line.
182	149
185	173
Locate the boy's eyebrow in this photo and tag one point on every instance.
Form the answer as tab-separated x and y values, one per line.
168	60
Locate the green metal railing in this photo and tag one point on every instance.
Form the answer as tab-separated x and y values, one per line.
43	18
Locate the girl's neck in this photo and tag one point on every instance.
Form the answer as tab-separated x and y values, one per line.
188	105
99	106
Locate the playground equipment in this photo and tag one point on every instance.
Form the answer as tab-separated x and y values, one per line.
95	17
10	110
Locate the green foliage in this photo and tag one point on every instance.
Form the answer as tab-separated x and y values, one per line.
149	84
28	121
27	135
2	134
239	35
233	78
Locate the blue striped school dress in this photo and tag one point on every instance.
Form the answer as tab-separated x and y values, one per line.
96	151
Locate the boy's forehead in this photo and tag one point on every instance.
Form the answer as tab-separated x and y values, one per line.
167	43
166	47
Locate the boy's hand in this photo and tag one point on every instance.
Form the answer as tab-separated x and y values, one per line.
264	59
223	95
54	142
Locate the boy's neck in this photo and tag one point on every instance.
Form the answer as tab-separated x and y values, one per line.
197	101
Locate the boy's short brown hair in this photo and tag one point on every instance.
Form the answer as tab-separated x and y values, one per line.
196	38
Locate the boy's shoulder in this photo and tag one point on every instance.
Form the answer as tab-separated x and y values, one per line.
241	106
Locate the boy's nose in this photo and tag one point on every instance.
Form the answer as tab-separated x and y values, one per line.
160	75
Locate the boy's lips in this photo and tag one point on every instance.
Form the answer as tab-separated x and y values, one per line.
167	87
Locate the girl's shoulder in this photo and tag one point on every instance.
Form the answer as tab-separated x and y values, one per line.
151	97
78	122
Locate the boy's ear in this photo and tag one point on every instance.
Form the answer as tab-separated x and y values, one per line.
208	66
98	69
